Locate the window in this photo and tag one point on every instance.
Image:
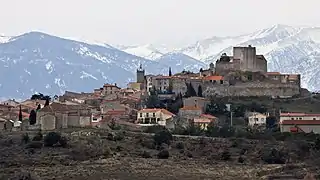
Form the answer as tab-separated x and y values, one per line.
140	114
154	114
292	118
94	119
221	81
147	114
314	118
300	118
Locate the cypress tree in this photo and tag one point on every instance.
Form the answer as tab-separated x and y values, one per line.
39	107
20	114
170	73
47	103
33	117
200	91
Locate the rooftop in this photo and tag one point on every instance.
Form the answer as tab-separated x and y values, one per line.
301	122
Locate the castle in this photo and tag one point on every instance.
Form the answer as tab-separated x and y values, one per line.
243	74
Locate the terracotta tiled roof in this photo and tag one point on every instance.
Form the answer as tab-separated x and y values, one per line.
111	85
208	116
213	78
301	122
58	107
190	108
290	114
164	111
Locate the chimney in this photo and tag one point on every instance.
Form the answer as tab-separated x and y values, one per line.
115	84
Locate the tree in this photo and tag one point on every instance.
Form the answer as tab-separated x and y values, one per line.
40	96
170	88
190	90
200	91
20	114
33	117
162	137
39	107
47	103
216	108
170	73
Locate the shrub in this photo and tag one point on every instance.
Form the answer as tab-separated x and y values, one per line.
188	154
241	159
273	156
163	137
38	137
225	155
154	129
63	142
35	145
164	154
180	145
51	139
147	143
146	154
25	138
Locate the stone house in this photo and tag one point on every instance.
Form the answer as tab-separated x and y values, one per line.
151	117
306	126
110	89
256	119
190	112
204	120
57	116
198	102
11	102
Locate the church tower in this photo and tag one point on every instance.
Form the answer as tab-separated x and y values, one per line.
140	75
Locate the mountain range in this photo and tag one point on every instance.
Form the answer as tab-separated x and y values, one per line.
38	62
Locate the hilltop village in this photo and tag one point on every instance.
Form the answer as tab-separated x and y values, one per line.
167	100
234	119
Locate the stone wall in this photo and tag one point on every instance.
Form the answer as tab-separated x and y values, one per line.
223	68
253	89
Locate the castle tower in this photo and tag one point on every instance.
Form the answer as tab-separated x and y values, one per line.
247	57
140	75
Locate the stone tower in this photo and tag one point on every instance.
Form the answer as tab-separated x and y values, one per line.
140	74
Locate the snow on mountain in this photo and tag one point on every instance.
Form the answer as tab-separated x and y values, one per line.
181	61
4	39
287	49
145	51
38	62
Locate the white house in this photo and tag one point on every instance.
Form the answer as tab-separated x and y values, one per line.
151	117
256	118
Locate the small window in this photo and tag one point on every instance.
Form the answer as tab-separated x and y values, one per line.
292	118
147	115
154	114
140	114
300	118
314	118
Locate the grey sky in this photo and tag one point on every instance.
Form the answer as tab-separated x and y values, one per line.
152	21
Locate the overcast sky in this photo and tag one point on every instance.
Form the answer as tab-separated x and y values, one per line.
152	21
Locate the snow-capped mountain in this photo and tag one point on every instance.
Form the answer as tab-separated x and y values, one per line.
287	49
145	51
38	62
181	61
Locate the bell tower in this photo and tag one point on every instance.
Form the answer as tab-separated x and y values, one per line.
140	74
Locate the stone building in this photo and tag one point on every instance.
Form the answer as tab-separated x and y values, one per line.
58	116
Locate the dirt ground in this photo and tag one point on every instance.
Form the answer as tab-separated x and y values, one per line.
92	154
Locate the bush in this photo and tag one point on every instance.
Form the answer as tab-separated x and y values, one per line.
146	154
52	139
147	143
154	129
35	145
225	155
180	145
38	137
164	154
163	137
25	138
273	156
241	159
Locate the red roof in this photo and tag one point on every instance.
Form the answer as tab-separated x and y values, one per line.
290	114
164	111
301	122
208	116
213	78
